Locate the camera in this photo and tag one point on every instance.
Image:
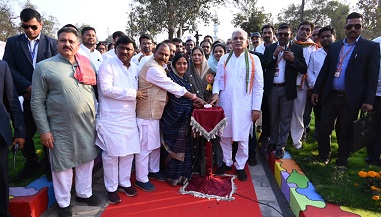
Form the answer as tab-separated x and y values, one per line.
15	148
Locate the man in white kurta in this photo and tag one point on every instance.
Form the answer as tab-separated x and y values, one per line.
117	131
154	81
297	125
240	100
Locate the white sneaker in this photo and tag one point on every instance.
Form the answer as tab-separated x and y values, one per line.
298	146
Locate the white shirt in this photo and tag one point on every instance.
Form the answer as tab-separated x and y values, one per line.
316	62
260	48
378	93
109	54
33	48
137	58
282	68
95	57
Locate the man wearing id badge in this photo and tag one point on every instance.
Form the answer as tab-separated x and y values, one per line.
346	83
282	61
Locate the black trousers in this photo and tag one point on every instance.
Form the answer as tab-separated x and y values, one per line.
29	151
374	150
4	185
265	118
336	109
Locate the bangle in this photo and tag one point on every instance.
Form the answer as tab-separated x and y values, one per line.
194	97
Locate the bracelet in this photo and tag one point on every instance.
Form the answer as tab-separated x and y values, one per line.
194	97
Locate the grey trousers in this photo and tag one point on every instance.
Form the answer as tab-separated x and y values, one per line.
280	116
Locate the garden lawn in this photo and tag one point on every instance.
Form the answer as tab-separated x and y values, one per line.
335	184
20	164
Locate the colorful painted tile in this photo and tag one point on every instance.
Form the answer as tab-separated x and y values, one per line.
310	192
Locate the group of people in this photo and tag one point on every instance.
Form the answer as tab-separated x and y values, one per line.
136	106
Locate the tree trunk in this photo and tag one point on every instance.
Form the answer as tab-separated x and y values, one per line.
302	11
171	32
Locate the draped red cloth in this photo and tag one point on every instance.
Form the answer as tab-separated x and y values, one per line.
209	123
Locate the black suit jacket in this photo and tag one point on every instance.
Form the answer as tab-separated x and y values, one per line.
361	75
291	71
10	107
20	62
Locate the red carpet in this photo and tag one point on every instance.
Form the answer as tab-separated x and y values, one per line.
167	201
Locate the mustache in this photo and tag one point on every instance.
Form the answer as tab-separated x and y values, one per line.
67	47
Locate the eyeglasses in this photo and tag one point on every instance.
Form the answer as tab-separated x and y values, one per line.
350	26
283	34
33	27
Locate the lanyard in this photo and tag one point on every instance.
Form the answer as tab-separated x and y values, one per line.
342	57
33	52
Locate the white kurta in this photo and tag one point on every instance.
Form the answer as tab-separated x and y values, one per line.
158	78
238	104
117	130
95	56
109	54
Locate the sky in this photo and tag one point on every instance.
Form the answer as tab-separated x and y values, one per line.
111	15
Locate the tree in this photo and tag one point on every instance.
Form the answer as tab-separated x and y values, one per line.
156	16
7	17
250	18
371	10
322	12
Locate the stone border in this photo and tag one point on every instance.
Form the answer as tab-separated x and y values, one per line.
300	192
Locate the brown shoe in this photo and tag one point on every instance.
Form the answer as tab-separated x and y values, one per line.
129	191
113	197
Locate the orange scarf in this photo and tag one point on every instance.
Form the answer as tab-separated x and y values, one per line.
84	72
304	44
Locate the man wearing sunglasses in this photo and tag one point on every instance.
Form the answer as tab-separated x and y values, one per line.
282	61
22	52
346	83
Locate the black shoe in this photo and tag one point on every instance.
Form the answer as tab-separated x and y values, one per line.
221	170
91	201
113	197
129	191
242	176
279	154
252	161
64	212
30	167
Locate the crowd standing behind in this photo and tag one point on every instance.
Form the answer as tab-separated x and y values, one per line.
146	99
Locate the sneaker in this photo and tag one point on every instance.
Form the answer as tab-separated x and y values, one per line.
279	154
64	212
91	201
223	169
304	136
145	186
158	176
298	146
242	176
113	197
130	191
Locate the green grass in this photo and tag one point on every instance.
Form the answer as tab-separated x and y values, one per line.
335	185
20	164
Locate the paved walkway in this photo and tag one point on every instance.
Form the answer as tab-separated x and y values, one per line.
266	188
